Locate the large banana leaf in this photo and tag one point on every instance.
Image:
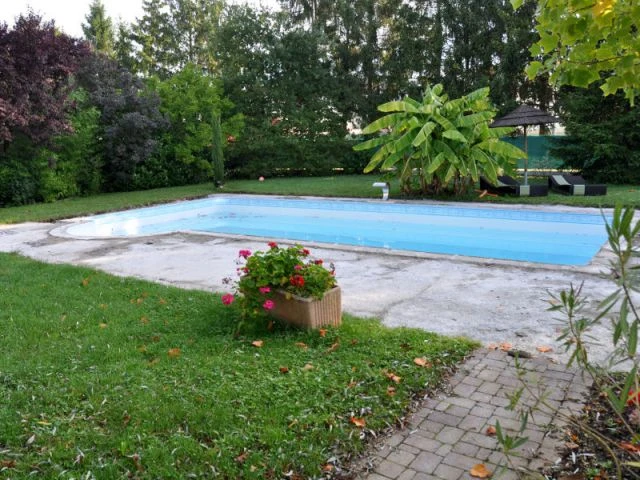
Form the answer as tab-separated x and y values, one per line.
504	149
399	106
475	119
454	135
424	133
383	122
374	142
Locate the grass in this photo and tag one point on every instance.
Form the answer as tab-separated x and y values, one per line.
121	377
358	186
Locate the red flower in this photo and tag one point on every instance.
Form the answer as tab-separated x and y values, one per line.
228	299
244	253
297	268
633	398
318	262
264	290
305	252
273	245
297	281
268	304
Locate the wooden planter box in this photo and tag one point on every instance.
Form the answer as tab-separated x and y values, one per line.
309	312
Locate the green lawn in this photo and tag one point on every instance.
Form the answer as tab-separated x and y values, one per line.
121	377
358	186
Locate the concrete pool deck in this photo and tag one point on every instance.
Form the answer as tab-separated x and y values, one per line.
487	300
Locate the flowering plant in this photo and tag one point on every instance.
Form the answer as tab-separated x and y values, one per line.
290	269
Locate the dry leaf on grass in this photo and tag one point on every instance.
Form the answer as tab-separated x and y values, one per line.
284	369
257	343
393	377
174	352
629	447
391	391
302	345
333	347
480	471
422	362
308	367
491	430
358	422
505	346
323	332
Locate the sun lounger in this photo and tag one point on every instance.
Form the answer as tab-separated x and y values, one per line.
506	185
574	185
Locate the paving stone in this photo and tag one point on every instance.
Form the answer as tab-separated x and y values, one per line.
461	461
472	381
490	375
457	411
499	401
450	435
401	457
485	411
444	418
395	439
375	476
481	397
464	448
423	443
407	475
463	402
442	406
444	450
472	423
464	390
480	439
431	425
490	388
424	476
409	448
426	462
389	469
447	472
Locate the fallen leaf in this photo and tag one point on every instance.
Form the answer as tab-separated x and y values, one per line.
257	343
393	377
308	367
174	352
323	332
544	349
85	281
142	349
629	447
358	422
144	320
505	346
242	457
139	301
422	362
253	468
333	347
31	439
492	346
391	391
354	342
352	384
327	468
126	418
103	306
490	431
284	369
8	464
155	338
103	325
302	345
480	471
571	446
162	301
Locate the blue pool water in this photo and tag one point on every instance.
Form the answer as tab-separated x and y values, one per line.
524	235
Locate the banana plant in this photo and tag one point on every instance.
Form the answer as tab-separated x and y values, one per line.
439	144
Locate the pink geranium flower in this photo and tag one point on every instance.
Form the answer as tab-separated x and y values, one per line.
264	290
244	253
228	299
268	304
273	245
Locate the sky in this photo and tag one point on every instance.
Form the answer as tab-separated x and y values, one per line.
69	15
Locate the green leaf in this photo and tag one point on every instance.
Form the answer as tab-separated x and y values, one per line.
374	142
533	68
383	122
398	106
424	134
454	135
633	339
516	4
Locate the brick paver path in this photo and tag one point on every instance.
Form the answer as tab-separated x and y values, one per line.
447	437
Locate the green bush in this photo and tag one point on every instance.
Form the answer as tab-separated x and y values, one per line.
17	185
291	156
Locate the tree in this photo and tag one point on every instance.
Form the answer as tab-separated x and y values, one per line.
99	28
174	33
36	67
439	143
217	155
586	41
130	120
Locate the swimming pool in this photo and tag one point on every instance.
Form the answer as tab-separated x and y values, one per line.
523	235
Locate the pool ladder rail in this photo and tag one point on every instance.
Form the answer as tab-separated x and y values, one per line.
385	189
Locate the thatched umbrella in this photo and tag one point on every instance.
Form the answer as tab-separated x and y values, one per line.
524	116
